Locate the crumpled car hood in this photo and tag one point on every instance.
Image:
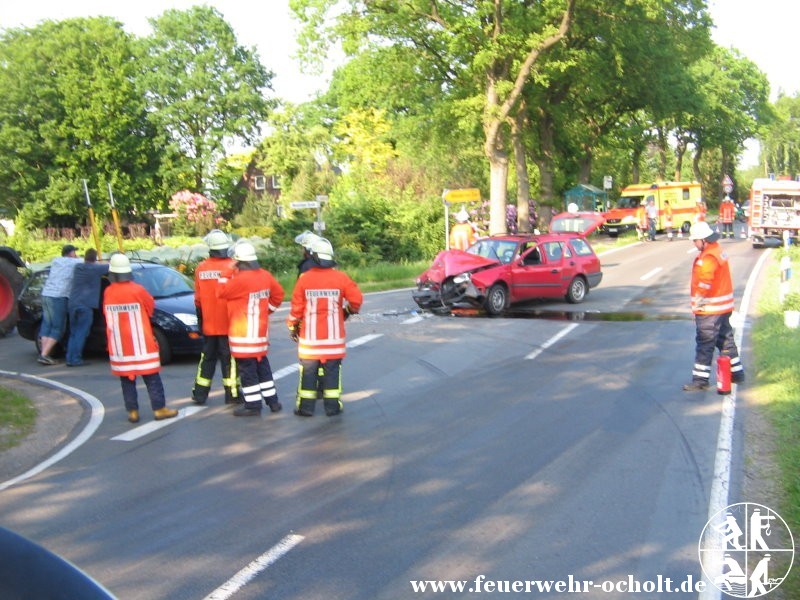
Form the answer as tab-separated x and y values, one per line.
453	262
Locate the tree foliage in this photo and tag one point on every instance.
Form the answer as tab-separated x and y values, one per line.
202	86
69	111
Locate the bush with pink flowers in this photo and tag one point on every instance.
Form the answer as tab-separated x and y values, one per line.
196	214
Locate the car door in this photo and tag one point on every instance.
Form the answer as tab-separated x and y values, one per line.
537	273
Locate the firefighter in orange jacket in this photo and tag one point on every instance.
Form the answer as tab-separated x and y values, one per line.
727	213
642	224
252	294
462	234
132	347
323	298
712	305
212	313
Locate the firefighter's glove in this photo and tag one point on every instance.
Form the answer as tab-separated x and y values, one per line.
347	312
294	331
199	314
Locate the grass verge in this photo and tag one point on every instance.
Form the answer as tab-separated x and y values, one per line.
17	418
776	380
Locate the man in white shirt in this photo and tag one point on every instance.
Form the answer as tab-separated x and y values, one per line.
55	294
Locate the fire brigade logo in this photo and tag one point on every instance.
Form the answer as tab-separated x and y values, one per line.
746	550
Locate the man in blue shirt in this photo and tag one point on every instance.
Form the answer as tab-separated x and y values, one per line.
84	299
54	302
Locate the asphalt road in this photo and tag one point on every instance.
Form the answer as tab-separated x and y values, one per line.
515	448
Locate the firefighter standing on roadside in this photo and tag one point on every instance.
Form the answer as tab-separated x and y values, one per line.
323	298
462	234
712	305
212	314
252	294
132	346
727	213
642	224
305	239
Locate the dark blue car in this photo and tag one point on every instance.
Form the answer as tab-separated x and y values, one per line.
174	320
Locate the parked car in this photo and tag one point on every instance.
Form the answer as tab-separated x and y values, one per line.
174	320
502	270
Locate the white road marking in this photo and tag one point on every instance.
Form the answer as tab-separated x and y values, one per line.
363	340
551	341
152	426
650	274
96	417
238	581
720	484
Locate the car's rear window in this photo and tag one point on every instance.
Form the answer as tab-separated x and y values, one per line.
580	247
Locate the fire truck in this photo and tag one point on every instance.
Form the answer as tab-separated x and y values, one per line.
682	196
774	210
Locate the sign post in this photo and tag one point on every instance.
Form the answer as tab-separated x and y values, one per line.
319	224
452	196
92	222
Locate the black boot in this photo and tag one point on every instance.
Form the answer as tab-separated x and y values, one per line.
200	394
248	409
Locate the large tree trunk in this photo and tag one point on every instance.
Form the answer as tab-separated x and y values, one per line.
680	151
662	153
698	154
545	160
521	168
636	164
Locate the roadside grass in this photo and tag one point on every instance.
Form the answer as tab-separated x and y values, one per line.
17	418
776	380
373	278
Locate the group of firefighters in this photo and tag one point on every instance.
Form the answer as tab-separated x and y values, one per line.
235	297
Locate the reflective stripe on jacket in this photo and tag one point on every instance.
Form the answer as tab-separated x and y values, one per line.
318	304
132	347
462	236
252	295
712	288
727	211
214	310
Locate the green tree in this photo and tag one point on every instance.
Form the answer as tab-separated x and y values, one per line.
780	140
489	49
203	87
69	111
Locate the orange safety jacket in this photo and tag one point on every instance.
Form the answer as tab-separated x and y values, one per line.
727	211
252	295
712	287
214	310
318	305
462	236
641	216
667	216
132	347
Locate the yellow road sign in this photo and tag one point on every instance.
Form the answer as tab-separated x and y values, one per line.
462	195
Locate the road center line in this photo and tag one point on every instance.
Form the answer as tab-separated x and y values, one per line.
650	274
551	341
235	583
152	426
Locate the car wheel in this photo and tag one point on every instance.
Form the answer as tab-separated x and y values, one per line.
685	227
496	299
164	350
577	290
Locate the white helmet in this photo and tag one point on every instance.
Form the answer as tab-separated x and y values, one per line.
321	248
217	240
572	208
462	216
306	238
701	231
244	252
119	263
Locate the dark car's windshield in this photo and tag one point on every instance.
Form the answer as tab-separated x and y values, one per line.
629	201
162	282
502	250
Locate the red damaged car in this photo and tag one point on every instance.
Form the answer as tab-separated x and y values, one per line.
501	270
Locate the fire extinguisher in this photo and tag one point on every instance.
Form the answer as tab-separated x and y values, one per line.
723	374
